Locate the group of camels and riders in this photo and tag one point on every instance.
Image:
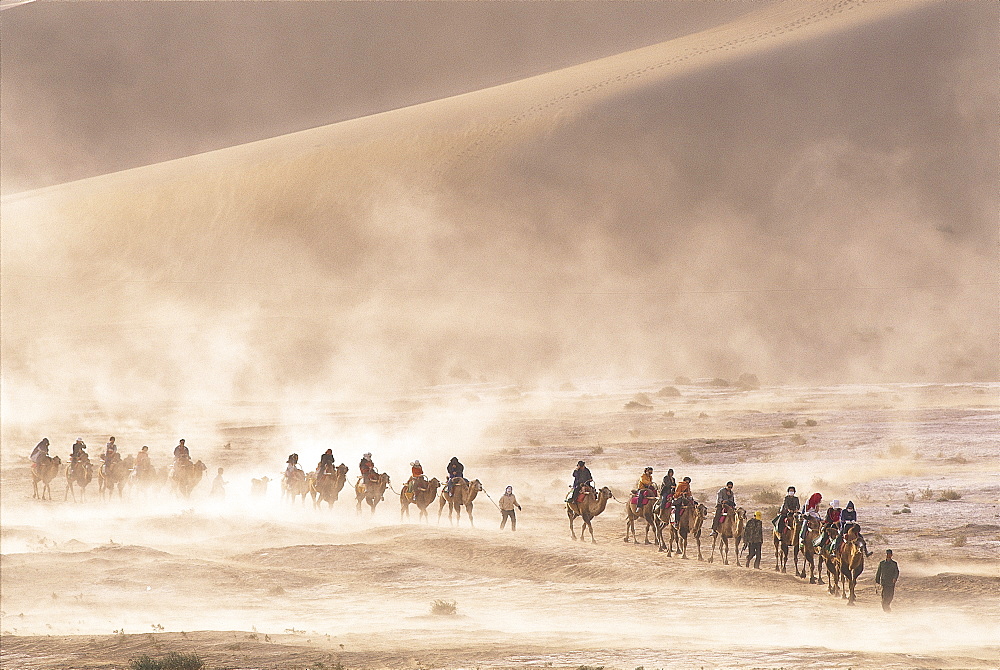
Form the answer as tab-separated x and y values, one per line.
113	473
328	479
670	511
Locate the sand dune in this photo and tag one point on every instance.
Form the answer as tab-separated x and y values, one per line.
576	222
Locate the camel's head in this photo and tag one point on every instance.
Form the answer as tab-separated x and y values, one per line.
604	493
342	469
476	485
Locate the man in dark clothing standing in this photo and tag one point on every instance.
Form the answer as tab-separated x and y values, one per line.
753	536
581	478
886	576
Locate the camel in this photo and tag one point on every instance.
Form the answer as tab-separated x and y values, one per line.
784	539
422	498
462	495
371	492
813	529
689	525
851	560
143	479
730	527
44	471
115	477
294	487
829	558
633	512
587	509
327	487
78	474
663	518
186	476
258	487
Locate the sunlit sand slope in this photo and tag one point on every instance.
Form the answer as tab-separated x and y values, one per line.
554	225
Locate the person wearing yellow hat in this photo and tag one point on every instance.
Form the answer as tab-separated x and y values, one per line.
753	538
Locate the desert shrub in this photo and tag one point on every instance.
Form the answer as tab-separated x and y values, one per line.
444	607
686	456
535	443
642	398
702	415
789	423
632	404
668	415
819	484
949	494
668	392
597	451
959	541
768	497
748	382
174	660
811	422
719	382
910	496
798	439
926	494
907	510
682	381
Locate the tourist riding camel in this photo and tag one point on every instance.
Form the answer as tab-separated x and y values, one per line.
848	518
110	456
367	468
417	481
789	506
725	503
293	472
142	463
682	498
811	510
833	514
78	452
182	455
456	474
668	488
581	478
326	465
41	450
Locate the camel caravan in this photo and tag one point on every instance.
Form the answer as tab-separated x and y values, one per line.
671	513
667	514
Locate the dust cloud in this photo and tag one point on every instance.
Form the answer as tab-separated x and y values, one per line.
494	258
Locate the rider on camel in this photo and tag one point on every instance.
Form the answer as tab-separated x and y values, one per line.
79	452
326	465
668	488
367	468
644	488
581	478
142	462
726	501
789	506
40	451
682	497
811	510
456	473
848	518
417	481
292	470
181	454
110	454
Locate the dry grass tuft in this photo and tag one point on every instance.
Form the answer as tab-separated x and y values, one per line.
444	607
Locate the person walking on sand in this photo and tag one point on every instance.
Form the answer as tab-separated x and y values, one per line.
218	486
507	504
753	536
885	577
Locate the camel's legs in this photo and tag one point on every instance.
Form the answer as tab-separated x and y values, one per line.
468	510
571	516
